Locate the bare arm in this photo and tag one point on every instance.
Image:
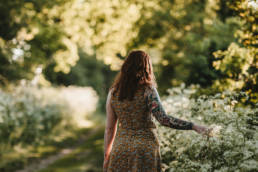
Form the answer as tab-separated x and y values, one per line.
155	106
110	129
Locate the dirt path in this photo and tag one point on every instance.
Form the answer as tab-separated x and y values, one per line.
86	155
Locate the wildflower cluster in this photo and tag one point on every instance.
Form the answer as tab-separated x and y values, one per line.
233	141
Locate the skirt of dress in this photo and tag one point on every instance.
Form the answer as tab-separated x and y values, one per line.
135	151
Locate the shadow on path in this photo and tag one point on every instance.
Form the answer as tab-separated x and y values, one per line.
86	157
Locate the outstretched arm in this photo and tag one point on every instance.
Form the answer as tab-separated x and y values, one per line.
155	106
110	130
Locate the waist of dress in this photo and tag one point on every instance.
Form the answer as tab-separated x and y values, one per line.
136	129
147	133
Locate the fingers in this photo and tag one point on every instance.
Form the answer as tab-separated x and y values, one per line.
203	130
207	132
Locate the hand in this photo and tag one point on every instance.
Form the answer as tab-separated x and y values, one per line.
201	130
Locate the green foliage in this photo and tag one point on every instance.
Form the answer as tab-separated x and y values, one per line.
84	42
184	38
185	34
238	63
87	72
30	116
29	38
233	145
25	119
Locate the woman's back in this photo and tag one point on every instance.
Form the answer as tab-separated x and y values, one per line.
133	114
136	146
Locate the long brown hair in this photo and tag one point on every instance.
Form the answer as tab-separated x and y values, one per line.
135	72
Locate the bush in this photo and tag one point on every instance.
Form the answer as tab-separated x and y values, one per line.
234	142
29	116
24	119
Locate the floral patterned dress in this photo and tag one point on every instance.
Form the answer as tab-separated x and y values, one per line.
136	147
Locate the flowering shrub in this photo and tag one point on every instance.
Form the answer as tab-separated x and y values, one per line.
30	114
233	145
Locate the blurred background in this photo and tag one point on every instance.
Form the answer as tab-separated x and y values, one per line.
58	59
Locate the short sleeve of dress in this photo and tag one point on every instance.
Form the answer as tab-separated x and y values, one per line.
155	107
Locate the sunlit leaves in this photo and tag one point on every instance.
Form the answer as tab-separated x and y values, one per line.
235	61
25	24
239	62
101	27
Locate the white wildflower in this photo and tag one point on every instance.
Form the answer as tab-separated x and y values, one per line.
215	131
253	4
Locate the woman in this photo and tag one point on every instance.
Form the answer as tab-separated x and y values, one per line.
132	102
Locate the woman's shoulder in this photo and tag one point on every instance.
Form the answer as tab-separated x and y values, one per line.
113	92
149	89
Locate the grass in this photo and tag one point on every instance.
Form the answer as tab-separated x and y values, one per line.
88	157
20	157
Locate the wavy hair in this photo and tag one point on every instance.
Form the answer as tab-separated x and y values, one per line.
136	72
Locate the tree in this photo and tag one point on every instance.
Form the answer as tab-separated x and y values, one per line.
238	62
185	34
29	38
